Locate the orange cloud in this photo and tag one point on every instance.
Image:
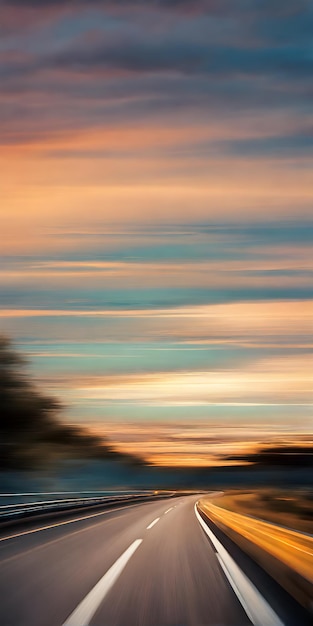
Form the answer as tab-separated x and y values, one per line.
276	381
222	274
194	445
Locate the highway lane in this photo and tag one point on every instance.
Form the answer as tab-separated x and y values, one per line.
148	564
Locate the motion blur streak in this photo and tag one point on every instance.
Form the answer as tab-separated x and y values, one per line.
257	609
156	303
293	548
286	554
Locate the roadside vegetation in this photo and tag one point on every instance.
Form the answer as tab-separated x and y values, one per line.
293	509
32	432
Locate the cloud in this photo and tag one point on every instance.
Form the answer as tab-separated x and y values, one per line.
197	45
196	443
284	145
80	68
147	112
277	380
246	323
163	54
200	5
281	7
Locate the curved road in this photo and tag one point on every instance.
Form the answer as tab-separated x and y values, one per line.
148	564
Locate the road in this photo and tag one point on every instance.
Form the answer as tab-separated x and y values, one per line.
148	564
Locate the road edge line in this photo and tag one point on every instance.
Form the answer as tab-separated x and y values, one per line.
254	604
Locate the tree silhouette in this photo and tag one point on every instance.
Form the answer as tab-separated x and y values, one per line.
31	431
27	417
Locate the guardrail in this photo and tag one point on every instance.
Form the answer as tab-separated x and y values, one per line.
287	555
10	511
18	512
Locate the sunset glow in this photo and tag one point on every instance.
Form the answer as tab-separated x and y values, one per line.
156	218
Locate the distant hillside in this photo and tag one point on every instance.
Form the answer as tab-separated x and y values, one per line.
287	456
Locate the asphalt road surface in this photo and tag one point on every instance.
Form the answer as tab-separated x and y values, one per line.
149	564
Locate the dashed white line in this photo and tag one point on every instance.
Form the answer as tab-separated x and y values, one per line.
153	523
82	615
168	510
257	609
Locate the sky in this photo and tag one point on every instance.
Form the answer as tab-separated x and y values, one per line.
156	217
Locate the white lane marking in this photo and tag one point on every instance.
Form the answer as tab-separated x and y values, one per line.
84	612
71	521
153	523
257	609
168	510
